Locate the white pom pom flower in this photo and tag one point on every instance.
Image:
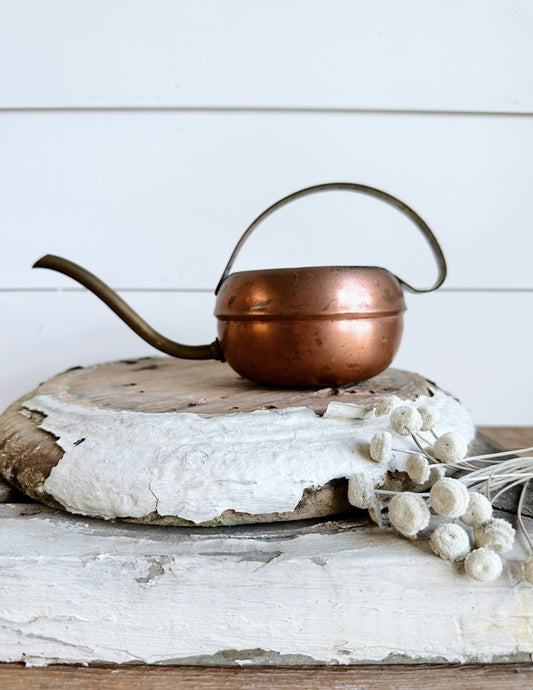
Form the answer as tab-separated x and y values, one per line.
386	405
417	468
450	447
496	534
450	542
483	564
436	472
408	513
528	570
449	497
361	491
405	420
375	514
381	446
479	510
430	417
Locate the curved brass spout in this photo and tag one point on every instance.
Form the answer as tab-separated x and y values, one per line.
126	313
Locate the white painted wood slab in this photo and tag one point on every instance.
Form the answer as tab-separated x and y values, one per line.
80	591
443	54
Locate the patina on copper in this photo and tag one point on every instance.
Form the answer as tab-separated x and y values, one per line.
310	326
325	325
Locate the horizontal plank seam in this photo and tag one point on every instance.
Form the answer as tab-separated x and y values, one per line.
211	290
215	109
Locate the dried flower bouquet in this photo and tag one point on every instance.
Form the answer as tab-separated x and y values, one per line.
468	496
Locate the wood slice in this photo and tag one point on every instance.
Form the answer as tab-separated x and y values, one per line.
145	390
166	384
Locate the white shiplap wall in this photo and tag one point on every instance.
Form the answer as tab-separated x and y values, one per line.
140	139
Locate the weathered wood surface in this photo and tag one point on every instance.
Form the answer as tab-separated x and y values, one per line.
29	453
482	676
167	384
510	437
315	592
405	677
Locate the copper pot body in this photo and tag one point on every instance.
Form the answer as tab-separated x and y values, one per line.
321	326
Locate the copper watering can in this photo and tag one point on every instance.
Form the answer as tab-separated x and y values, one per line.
325	325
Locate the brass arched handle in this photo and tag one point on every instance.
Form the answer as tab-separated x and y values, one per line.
363	189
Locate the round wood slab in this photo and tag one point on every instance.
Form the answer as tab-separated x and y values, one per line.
151	394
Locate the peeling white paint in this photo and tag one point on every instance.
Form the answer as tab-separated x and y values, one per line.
129	464
81	591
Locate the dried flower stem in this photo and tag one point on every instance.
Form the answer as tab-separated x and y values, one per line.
387	492
520	517
422	450
500	454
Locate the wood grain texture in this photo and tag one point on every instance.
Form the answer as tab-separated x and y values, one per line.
166	384
405	677
510	437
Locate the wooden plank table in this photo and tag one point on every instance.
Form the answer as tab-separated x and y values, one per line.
405	677
486	676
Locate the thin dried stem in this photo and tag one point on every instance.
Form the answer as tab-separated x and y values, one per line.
387	492
510	486
499	454
422	450
520	517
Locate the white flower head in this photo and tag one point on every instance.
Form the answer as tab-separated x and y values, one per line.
375	514
418	468
430	417
528	570
450	447
496	534
405	420
381	446
386	405
450	541
449	497
361	491
483	564
408	513
436	472
479	510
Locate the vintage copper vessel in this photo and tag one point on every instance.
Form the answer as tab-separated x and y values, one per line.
317	326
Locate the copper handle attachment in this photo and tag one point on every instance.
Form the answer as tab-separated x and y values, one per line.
363	189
